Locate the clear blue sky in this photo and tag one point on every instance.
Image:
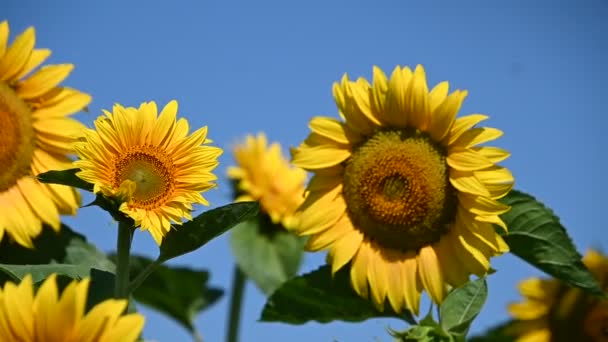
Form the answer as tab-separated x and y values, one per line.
539	69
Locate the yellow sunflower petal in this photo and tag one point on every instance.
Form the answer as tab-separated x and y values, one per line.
334	130
467	160
344	250
438	95
430	273
396	106
417	99
468	182
358	271
319	157
477	136
453	271
442	119
355	119
45	79
37	57
412	285
493	154
378	95
462	125
17	54
377	277
4	31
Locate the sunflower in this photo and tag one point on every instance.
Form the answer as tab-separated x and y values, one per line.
264	175
48	317
151	160
401	188
554	312
35	136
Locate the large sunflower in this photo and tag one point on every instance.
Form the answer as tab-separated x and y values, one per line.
35	136
554	312
264	175
48	317
152	160
401	188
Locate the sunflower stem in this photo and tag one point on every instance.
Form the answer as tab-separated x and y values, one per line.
123	249
143	275
236	300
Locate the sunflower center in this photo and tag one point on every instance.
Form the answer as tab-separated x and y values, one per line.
152	172
17	143
397	190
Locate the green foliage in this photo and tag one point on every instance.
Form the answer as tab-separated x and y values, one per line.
41	272
315	296
179	292
65	177
194	234
266	252
536	236
462	305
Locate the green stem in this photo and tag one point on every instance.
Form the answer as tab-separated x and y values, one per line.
143	275
123	249
236	299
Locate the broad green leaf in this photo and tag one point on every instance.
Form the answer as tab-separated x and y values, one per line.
315	296
179	292
423	333
63	247
41	272
65	177
265	252
462	305
101	287
49	246
194	234
536	235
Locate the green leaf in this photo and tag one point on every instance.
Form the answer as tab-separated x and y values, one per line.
63	247
315	296
462	305
266	252
179	292
41	272
194	234
101	287
536	235
65	177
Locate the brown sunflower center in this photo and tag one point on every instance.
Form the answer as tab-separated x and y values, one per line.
397	190
151	170
17	139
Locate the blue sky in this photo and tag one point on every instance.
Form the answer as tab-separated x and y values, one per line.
538	69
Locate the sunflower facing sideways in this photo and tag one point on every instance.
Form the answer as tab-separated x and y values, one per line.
47	316
554	312
35	136
264	175
402	190
151	162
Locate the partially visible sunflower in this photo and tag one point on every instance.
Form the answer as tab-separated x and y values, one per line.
264	175
151	161
402	189
48	317
554	312
35	136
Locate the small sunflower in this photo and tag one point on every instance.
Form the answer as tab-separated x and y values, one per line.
151	160
554	312
48	317
35	136
401	188
264	175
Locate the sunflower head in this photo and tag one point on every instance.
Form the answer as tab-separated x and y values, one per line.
36	136
264	175
49	316
554	312
149	162
402	189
